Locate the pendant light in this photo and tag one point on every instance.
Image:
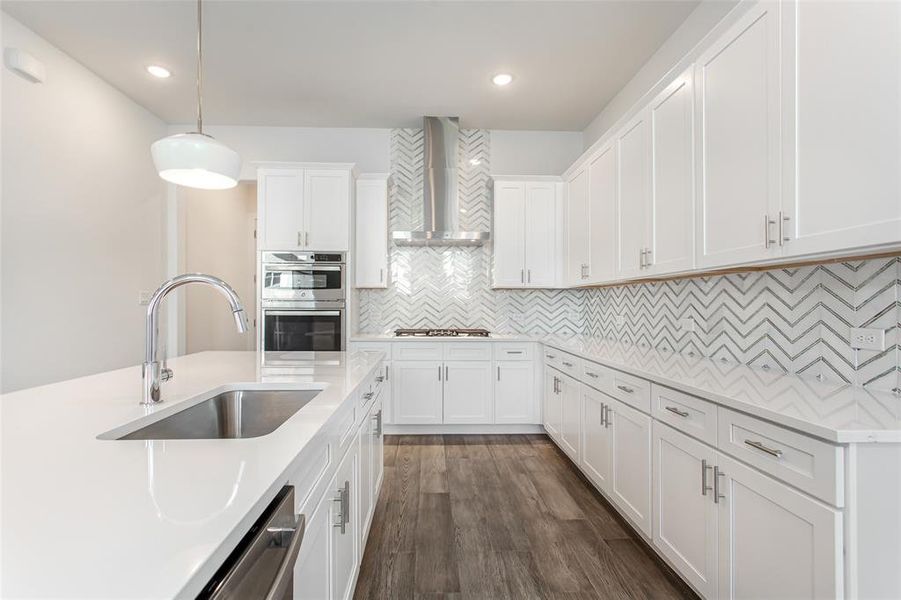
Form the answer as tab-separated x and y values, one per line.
195	159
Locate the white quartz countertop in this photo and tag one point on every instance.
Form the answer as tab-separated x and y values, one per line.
89	518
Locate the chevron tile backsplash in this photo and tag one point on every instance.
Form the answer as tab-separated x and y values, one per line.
793	320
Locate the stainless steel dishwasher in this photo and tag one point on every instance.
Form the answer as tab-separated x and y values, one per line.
262	565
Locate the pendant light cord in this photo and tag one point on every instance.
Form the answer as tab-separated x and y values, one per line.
199	67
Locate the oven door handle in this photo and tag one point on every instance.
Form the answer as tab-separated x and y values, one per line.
276	268
301	313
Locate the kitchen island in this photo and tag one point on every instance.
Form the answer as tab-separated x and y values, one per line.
105	518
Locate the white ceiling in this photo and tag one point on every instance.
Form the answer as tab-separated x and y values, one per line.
365	64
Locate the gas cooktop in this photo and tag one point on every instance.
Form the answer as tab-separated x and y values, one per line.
441	332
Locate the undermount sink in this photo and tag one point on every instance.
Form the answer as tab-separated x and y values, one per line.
235	414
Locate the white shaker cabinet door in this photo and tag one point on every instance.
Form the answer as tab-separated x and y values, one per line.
577	234
596	438
774	542
671	243
514	392
344	542
633	196
509	234
602	217
685	517
571	406
631	483
417	392
737	82
843	150
280	209
326	209
541	234
371	239
311	571
553	409
468	390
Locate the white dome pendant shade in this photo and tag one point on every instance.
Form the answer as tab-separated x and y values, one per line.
195	159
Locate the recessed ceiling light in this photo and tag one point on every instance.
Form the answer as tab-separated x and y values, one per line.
502	79
158	71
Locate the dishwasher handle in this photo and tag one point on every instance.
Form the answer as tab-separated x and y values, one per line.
285	575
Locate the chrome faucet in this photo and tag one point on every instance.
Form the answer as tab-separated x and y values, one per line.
153	373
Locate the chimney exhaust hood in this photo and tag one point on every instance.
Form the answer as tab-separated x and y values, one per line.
440	198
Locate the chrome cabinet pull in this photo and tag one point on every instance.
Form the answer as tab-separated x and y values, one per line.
676	411
446	373
704	468
759	446
528	275
439	372
368	395
498	373
602	413
782	237
522	277
590	374
641	255
386	372
380	378
377	420
514	351
647	258
607	413
343	501
767	240
381	275
556	385
550	356
567	364
300	238
625	388
306	237
717	496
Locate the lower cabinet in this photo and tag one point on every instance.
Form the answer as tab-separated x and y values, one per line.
630	486
417	392
514	395
344	542
372	466
571	405
467	392
311	573
596	438
553	407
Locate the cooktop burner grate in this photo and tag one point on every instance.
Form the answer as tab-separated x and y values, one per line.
449	332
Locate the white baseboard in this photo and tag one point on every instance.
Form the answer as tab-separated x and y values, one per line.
462	429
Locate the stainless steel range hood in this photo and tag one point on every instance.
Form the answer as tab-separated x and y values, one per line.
440	199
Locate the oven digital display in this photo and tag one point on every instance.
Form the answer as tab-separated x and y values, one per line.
301	280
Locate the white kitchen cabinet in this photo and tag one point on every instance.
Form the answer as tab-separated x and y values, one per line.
514	392
553	408
303	208
571	407
630	486
577	233
377	421
671	233
842	148
366	482
597	440
280	209
525	233
467	392
633	196
417	392
344	524
371	232
311	571
326	200
774	542
602	216
738	150
685	515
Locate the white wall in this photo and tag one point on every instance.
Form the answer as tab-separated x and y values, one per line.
534	152
82	210
368	148
680	43
219	241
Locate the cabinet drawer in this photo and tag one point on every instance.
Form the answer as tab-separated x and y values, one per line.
373	347
634	391
571	365
417	351
467	351
552	357
686	413
802	461
597	376
512	351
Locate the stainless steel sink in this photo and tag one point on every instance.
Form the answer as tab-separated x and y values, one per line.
237	414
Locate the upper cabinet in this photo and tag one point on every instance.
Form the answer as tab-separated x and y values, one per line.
304	208
602	216
577	270
633	196
525	233
737	81
371	232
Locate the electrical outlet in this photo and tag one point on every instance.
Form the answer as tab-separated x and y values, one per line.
144	297
619	320
687	324
867	339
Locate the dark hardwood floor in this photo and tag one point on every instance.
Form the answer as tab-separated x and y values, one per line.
499	516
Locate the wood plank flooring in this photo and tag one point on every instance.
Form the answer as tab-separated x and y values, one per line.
499	516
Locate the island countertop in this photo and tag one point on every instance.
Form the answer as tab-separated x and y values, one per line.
97	518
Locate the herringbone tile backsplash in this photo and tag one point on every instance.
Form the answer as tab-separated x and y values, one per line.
794	320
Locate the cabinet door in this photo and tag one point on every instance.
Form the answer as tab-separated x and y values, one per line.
378	448
571	405
514	392
326	195
371	240
844	125
364	489
596	438
509	234
737	83
684	512
672	179
633	195
774	542
467	391
311	571
541	234
602	217
417	391
280	208
631	483
344	540
553	409
577	248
